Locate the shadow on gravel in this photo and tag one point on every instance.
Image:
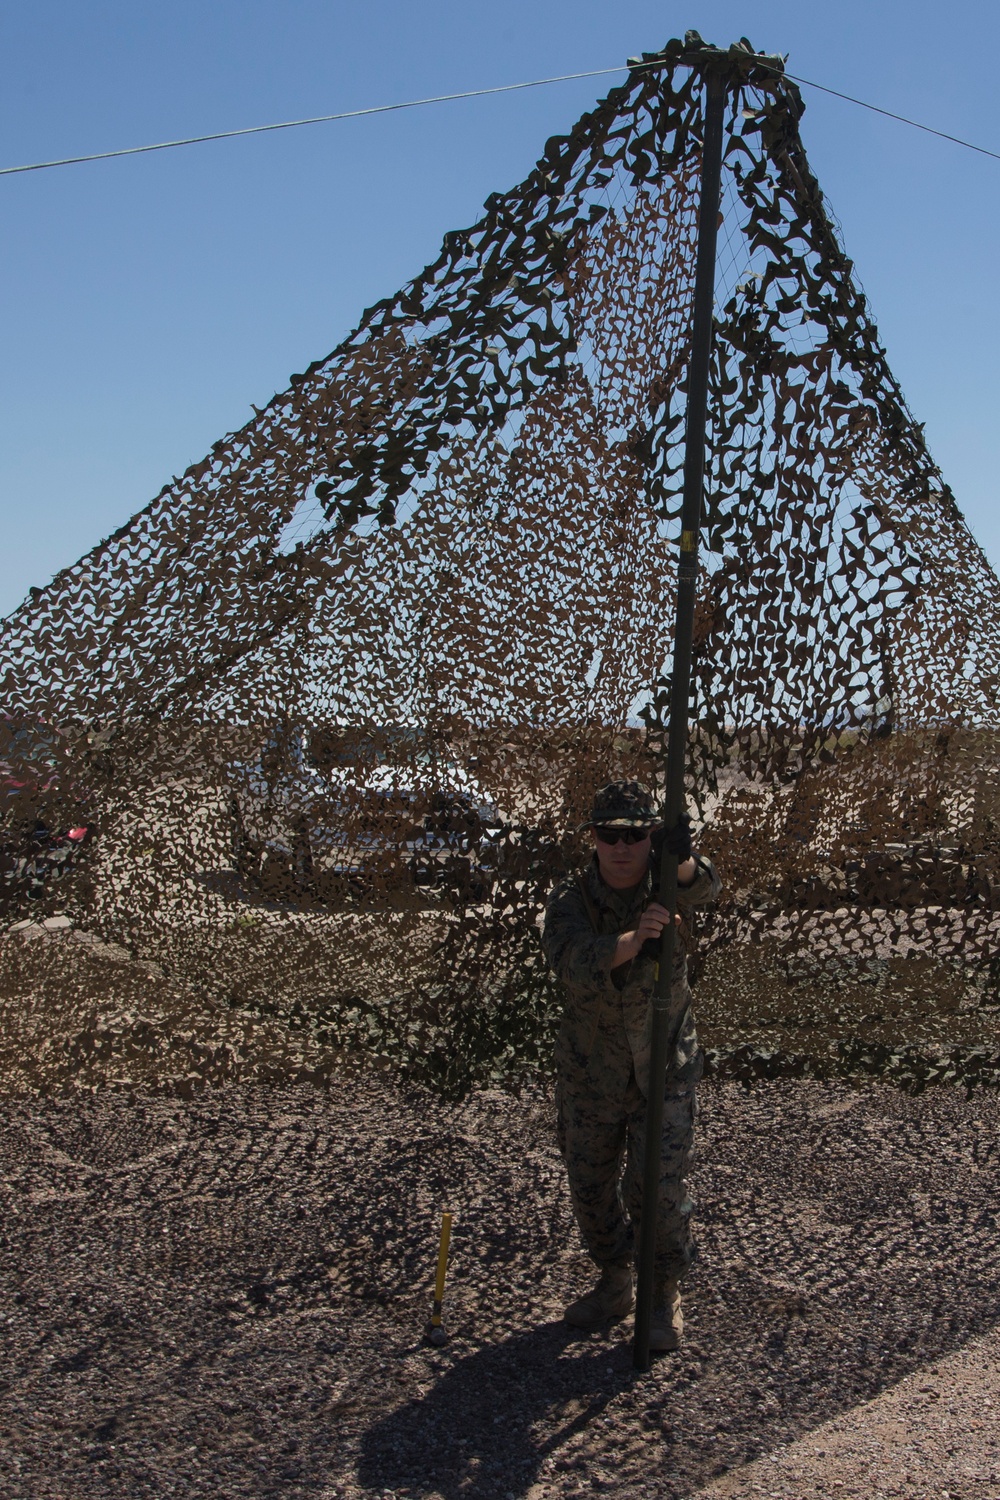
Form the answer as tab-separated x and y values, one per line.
472	1434
541	1408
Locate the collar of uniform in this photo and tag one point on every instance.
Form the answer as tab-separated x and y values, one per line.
620	903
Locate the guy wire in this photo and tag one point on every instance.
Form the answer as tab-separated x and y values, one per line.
504	88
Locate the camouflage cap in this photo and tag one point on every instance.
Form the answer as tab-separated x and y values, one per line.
622	804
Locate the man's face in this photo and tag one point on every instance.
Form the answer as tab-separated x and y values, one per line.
622	865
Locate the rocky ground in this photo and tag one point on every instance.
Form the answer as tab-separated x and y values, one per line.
226	1295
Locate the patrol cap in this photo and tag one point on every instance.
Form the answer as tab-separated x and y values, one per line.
622	804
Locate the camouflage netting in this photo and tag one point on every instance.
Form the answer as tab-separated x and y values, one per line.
332	705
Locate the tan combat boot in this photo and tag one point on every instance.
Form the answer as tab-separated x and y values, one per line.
612	1298
667	1321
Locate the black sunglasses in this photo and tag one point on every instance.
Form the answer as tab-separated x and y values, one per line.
621	835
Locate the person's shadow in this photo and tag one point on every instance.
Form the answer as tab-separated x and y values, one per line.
472	1433
495	1418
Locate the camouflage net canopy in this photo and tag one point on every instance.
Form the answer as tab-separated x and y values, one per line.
331	707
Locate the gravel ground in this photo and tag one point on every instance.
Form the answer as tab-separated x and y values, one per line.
226	1296
935	1433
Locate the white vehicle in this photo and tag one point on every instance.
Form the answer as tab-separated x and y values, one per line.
302	831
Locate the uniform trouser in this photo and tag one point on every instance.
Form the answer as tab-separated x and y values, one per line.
595	1137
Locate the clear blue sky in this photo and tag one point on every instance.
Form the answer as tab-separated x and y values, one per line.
147	302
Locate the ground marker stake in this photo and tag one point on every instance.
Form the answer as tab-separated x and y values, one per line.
436	1332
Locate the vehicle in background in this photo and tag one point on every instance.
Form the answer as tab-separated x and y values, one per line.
334	832
457	847
45	821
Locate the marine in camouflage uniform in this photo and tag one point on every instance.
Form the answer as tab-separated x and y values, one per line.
602	1060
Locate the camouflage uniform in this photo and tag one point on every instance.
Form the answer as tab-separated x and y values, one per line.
602	1061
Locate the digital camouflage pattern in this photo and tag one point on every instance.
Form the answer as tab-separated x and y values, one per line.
602	1066
595	1141
333	704
623	804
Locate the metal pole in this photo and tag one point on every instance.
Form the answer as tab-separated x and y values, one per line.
664	1037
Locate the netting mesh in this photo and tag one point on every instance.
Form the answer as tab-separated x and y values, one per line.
330	708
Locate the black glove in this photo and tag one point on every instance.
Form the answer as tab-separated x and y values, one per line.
677	840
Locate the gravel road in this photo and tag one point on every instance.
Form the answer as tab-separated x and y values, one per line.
225	1297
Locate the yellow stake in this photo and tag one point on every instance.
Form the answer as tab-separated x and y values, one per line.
437	1333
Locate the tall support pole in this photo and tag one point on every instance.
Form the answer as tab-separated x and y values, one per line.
666	1028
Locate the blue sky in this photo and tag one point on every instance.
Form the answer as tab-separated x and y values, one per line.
146	303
